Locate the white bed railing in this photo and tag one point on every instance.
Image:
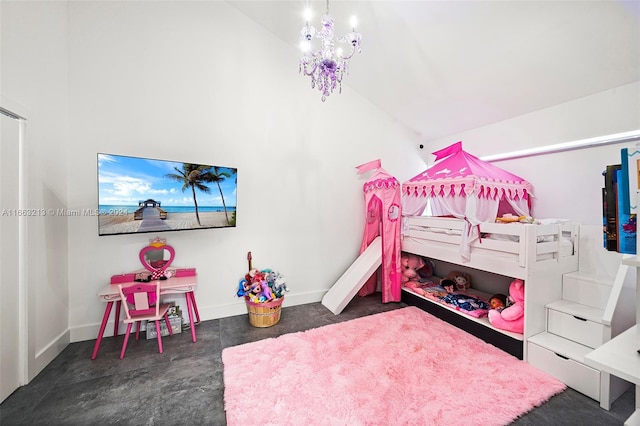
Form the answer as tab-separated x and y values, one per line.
527	242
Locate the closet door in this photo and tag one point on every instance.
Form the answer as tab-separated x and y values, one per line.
10	366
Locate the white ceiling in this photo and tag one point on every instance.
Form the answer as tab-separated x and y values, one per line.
443	67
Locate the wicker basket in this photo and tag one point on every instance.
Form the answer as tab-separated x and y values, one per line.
264	314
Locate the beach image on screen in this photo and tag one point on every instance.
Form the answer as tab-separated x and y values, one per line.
137	195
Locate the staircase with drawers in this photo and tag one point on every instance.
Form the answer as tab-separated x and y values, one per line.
598	303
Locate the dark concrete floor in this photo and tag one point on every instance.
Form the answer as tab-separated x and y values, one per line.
184	384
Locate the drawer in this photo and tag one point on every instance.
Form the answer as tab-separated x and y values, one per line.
585	332
577	376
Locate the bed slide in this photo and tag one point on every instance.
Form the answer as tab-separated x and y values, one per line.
354	278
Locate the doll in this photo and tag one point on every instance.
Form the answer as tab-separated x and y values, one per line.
511	318
448	285
257	295
498	301
456	281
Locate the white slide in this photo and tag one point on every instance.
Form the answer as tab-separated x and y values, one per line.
354	278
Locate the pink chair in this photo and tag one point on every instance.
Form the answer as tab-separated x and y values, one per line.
141	302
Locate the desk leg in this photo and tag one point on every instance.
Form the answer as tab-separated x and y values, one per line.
192	325
195	306
116	320
105	318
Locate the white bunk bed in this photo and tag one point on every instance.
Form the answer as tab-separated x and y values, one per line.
537	253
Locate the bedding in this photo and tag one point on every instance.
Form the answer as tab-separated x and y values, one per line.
539	254
475	305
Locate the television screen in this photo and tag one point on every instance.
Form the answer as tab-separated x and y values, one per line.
137	195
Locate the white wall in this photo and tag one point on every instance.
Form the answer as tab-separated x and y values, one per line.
199	82
196	81
34	77
567	184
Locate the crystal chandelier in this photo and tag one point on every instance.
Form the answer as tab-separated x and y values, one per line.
327	65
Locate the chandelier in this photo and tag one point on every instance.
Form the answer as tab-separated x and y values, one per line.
327	65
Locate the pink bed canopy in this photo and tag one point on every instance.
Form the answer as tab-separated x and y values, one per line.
382	205
461	185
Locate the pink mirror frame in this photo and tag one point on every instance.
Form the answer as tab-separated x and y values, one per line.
149	248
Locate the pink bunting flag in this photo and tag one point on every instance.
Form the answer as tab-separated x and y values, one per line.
445	152
371	165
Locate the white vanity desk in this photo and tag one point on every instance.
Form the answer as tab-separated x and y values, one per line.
619	356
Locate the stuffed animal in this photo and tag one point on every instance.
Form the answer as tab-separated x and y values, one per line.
260	292
427	269
410	263
511	318
510	218
266	291
456	281
279	286
244	288
408	274
414	267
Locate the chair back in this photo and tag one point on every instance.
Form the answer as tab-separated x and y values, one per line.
140	299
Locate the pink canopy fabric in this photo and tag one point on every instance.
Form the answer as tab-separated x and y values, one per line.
382	204
461	185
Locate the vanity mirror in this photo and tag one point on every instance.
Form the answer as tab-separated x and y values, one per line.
157	257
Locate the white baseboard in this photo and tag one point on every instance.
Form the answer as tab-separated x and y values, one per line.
237	307
48	354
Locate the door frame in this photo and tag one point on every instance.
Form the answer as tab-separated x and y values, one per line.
25	360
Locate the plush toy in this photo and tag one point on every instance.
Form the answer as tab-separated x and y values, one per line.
260	292
511	318
456	281
409	265
279	286
427	269
415	268
408	274
266	291
244	288
510	218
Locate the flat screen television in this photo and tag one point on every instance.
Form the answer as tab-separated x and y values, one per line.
138	195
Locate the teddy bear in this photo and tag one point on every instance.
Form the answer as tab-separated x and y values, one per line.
414	267
409	263
511	318
456	281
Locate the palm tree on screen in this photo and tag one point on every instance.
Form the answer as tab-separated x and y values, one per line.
219	175
193	176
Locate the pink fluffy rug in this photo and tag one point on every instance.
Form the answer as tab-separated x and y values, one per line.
402	367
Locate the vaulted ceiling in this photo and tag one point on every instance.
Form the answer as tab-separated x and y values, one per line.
443	67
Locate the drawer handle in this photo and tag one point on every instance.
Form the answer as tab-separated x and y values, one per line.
561	356
579	319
